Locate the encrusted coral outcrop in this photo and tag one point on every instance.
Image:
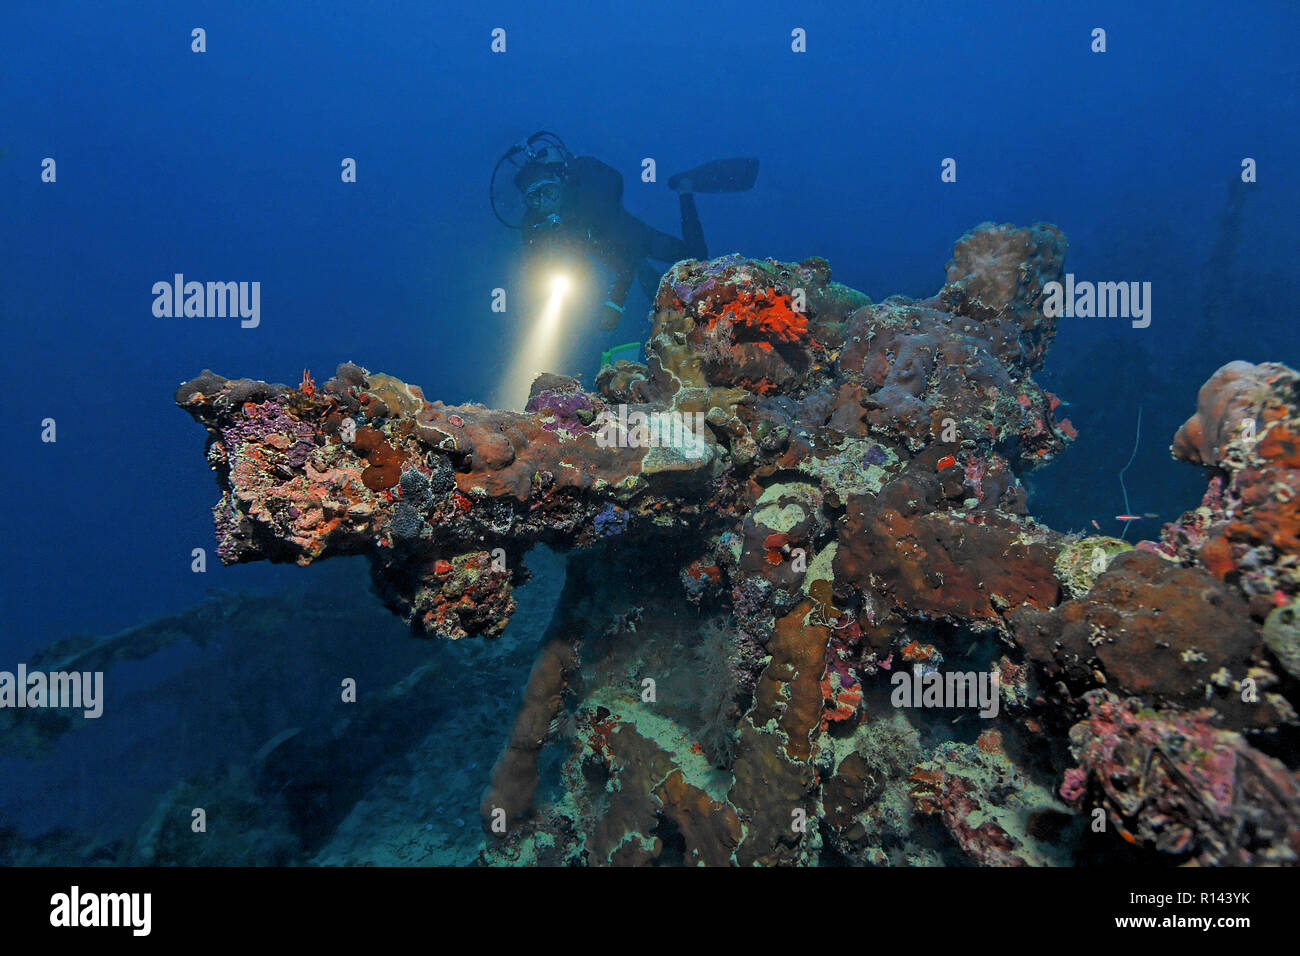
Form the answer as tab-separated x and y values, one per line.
1247	528
801	499
1189	642
1170	781
997	816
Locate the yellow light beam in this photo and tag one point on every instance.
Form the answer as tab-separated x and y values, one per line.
538	353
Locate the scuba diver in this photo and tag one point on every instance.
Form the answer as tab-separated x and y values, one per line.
561	202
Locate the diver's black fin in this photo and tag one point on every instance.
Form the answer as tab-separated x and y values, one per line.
719	176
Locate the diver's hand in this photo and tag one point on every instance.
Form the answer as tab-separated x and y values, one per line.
610	316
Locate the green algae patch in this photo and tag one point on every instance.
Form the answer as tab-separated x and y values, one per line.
855	466
1282	636
1080	563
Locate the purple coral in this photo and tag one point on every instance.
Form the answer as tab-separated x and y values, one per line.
298	454
560	411
611	520
259	421
688	293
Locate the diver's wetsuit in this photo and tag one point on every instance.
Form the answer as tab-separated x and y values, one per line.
592	217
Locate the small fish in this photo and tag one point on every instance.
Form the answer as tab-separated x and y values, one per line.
1128	517
1095	525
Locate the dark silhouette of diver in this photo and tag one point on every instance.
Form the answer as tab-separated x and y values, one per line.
576	203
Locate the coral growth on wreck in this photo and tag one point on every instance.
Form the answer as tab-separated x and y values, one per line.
850	515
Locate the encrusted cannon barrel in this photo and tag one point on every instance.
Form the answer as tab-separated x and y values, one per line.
804	496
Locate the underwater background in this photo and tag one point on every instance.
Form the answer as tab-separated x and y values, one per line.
225	165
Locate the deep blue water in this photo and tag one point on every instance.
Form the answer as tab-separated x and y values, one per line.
225	166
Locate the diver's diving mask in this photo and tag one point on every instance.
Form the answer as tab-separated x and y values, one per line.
529	176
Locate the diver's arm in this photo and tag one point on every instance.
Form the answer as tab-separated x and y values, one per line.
611	313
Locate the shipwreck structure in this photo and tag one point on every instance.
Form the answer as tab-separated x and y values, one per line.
716	683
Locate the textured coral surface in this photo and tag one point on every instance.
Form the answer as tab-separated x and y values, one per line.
841	514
